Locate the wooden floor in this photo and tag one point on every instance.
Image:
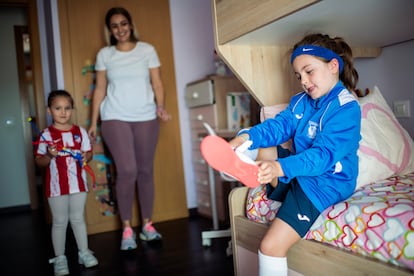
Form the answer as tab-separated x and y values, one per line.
26	249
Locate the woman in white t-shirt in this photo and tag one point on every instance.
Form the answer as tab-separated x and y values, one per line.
129	99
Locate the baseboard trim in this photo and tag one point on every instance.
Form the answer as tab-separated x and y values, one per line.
14	209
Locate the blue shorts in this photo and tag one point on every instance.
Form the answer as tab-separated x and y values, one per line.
296	209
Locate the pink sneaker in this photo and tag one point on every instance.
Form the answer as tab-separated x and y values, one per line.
149	233
128	239
221	156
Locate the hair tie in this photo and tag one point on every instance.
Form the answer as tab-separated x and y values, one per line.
317	51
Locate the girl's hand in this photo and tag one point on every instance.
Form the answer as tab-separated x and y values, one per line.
268	170
84	157
52	151
163	114
238	140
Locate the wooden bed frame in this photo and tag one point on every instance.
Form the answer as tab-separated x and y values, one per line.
307	257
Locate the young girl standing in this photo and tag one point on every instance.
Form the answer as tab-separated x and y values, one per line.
66	186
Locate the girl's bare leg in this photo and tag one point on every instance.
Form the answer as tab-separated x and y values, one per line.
278	239
274	247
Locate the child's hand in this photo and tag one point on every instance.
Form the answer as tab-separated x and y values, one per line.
84	157
52	151
238	140
269	170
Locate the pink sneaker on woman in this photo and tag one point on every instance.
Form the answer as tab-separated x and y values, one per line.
128	239
149	233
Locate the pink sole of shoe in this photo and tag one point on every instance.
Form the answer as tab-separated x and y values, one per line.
219	154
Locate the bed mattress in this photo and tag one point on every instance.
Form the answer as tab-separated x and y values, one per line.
377	220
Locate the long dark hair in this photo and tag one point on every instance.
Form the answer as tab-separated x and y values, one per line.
349	75
124	12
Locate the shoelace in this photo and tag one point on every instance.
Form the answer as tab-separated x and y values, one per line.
128	233
86	254
148	227
87	257
57	260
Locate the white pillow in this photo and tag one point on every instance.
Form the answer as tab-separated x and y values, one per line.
386	149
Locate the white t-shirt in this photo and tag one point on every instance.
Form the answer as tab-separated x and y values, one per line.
129	96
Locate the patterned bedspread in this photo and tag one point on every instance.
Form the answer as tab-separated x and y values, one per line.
377	220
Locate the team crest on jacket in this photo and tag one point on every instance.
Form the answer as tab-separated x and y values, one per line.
78	139
312	129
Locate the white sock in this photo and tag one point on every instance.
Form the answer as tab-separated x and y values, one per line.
252	154
272	266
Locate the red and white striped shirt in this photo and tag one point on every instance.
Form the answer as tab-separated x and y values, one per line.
64	174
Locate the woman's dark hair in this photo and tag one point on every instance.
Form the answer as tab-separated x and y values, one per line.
124	12
349	75
59	93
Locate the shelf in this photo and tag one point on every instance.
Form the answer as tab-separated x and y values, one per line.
255	14
254	37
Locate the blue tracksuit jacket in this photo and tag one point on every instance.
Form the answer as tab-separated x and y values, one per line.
325	138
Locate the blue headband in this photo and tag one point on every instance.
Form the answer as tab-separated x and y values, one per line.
317	51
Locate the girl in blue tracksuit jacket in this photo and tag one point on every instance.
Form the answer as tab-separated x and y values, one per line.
323	123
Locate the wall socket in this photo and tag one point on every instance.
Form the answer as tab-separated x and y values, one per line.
402	109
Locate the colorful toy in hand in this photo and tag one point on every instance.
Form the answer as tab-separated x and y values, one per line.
76	155
83	164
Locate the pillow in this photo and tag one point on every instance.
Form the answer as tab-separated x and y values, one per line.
386	149
271	111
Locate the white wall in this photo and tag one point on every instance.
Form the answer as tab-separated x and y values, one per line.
193	43
392	72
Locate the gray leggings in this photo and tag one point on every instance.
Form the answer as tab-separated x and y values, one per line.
68	208
132	146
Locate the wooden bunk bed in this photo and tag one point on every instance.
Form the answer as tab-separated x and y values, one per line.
307	257
253	37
